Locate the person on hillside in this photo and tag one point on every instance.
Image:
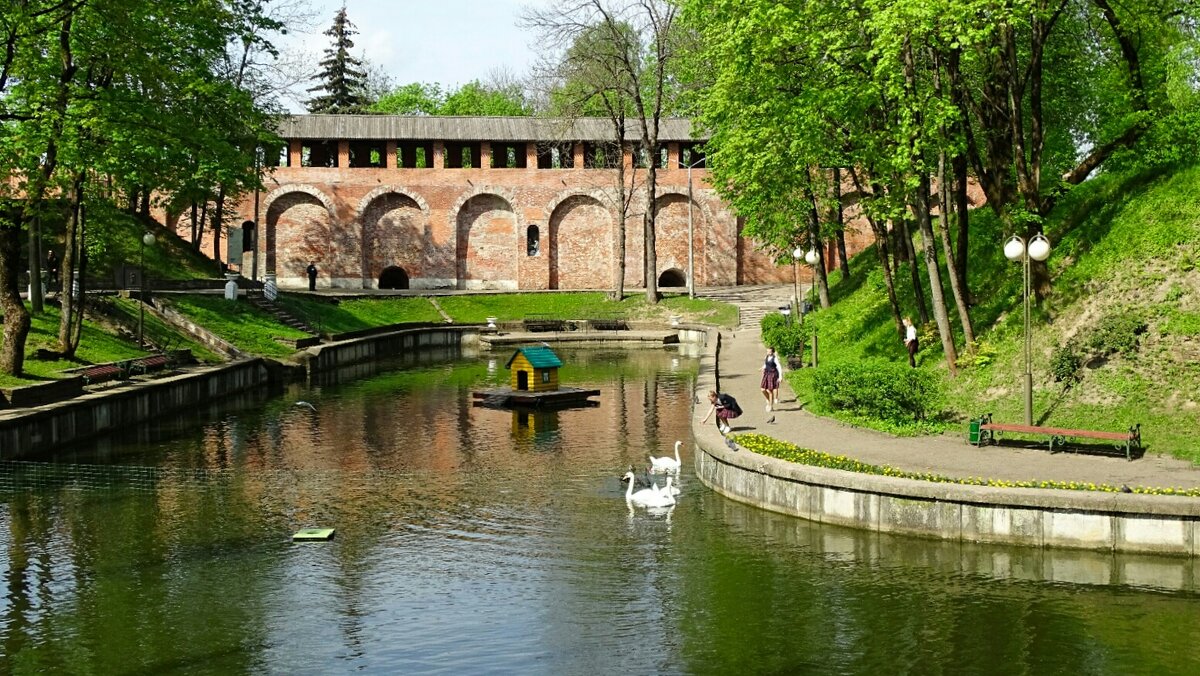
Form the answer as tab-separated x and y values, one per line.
772	373
52	267
726	408
910	341
311	271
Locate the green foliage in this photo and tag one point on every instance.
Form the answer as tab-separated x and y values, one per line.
1065	363
475	309
360	313
341	77
474	98
1181	323
245	326
878	389
785	335
980	354
1116	333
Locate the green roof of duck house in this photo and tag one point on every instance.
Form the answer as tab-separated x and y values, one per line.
539	357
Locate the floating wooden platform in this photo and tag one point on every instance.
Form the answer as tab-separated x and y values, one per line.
563	397
313	535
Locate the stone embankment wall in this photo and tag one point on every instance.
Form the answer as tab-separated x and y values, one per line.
1046	518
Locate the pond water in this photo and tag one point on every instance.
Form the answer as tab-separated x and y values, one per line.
477	540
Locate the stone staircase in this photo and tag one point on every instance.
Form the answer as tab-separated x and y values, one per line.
282	316
753	301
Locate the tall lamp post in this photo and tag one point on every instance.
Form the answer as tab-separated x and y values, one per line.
1018	250
797	256
691	240
811	258
147	240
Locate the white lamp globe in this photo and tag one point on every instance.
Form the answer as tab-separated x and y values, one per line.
148	239
798	254
1014	248
1039	248
811	257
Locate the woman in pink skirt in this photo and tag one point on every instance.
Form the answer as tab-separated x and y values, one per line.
772	372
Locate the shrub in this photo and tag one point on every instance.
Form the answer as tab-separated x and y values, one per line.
878	389
1117	333
980	354
787	337
1065	363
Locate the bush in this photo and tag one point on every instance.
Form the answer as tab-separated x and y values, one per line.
879	389
1117	333
1065	363
785	336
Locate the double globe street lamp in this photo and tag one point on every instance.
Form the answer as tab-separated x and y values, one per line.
1017	249
147	240
811	257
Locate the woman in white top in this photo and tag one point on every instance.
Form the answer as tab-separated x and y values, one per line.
910	341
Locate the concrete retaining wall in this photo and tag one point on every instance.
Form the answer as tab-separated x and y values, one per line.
1048	518
31	432
331	356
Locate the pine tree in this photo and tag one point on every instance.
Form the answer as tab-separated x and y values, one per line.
342	77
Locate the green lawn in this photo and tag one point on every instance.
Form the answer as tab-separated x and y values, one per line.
475	309
245	326
359	313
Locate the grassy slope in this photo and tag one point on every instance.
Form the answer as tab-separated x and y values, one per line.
1120	244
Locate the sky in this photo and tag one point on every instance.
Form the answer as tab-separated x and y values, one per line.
450	42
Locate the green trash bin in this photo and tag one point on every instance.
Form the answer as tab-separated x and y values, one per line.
973	431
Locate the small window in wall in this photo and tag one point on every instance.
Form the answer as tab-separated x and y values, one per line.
545	376
555	156
692	156
663	158
532	240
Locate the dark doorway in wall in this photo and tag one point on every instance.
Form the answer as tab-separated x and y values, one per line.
672	277
393	278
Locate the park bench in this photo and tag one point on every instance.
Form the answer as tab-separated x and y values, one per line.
103	373
537	324
984	431
147	364
608	324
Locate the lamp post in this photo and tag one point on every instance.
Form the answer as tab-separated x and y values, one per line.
691	239
1016	249
147	240
797	255
811	258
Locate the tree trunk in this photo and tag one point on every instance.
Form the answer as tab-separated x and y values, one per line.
73	243
962	219
198	231
820	278
649	219
918	288
218	219
881	248
921	208
16	317
964	316
839	224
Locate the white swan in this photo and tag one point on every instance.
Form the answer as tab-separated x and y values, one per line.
666	463
669	489
647	497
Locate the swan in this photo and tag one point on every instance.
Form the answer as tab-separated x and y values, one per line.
647	497
667	463
669	489
639	481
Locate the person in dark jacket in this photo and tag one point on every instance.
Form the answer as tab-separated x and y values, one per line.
311	270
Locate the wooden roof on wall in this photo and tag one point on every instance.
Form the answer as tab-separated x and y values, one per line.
424	127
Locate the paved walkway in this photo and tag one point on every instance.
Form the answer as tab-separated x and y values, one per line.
950	455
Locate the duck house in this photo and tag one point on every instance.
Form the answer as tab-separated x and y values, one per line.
534	382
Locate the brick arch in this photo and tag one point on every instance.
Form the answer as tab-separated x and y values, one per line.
599	195
670	237
385	189
487	242
581	243
299	225
395	233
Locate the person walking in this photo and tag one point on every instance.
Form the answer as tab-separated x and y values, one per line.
910	341
726	408
52	267
311	270
772	372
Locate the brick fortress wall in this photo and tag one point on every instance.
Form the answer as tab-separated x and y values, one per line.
493	228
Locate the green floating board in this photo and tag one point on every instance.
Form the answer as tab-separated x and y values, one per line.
313	534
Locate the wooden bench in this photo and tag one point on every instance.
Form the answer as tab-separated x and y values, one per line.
538	325
608	325
147	364
102	373
986	431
